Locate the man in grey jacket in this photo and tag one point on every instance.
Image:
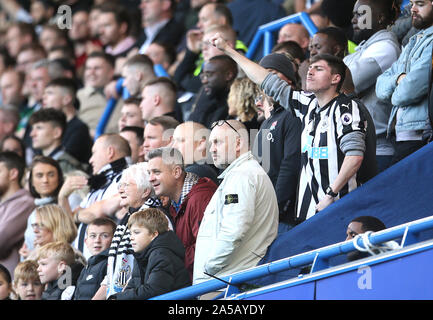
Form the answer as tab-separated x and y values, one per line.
405	85
378	49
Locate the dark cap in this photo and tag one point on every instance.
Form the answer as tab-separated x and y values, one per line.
280	63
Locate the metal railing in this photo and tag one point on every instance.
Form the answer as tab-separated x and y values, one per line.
265	31
318	258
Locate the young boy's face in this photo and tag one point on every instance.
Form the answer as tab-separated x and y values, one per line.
49	269
98	238
141	237
29	289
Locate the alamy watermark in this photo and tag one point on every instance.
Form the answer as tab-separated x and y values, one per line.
64	17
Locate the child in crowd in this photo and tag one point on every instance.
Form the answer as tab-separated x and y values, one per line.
5	283
99	234
54	261
159	257
27	284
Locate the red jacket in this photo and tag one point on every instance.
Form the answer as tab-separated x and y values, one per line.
187	220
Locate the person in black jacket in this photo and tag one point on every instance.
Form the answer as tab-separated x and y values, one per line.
158	258
99	234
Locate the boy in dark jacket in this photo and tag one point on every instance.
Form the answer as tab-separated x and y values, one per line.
159	257
54	261
99	234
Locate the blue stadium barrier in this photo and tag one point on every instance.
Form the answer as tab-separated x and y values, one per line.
111	103
265	32
317	258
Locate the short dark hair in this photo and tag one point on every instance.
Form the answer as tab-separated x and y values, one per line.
336	64
56	117
222	10
370	223
66	83
26	29
338	36
107	57
13	161
121	15
104	221
166	82
132	100
169	50
138	132
228	62
45	160
6	274
292	48
20	142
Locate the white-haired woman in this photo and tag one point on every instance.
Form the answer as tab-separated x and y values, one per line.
136	193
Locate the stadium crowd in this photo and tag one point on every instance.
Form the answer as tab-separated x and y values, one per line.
207	155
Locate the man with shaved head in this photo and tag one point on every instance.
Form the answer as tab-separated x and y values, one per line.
295	32
241	219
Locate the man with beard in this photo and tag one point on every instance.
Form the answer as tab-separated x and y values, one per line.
217	76
406	84
377	51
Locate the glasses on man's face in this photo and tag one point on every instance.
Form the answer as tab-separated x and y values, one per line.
221	122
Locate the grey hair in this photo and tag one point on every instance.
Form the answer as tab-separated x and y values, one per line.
138	172
169	155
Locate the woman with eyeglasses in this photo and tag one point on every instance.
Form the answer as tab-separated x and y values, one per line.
44	182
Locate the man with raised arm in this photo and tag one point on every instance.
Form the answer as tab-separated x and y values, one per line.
333	128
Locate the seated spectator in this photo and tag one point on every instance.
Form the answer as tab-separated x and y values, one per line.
163	54
28	55
242	216
114	30
48	127
14	144
377	52
136	72
16	204
134	136
159	24
27	284
137	196
131	114
60	94
11	86
158	99
98	72
6	287
51	35
405	85
189	195
241	103
295	32
9	119
52	224
217	76
361	225
19	34
41	12
191	139
53	260
45	181
158	258
158	133
98	239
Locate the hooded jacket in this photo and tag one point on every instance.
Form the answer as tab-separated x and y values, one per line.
158	269
366	64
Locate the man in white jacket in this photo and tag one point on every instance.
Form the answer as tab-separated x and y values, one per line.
241	219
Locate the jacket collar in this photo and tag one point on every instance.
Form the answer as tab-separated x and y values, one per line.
237	163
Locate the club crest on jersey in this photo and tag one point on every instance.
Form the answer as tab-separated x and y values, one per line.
273	125
324	125
346	119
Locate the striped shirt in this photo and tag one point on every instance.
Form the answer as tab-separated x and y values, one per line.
329	133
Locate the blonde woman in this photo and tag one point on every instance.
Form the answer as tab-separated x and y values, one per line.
52	224
241	102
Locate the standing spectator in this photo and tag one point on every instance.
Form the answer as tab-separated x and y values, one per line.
242	216
405	85
217	76
99	70
48	127
191	139
189	195
108	160
333	145
379	50
159	23
16	204
60	94
45	181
